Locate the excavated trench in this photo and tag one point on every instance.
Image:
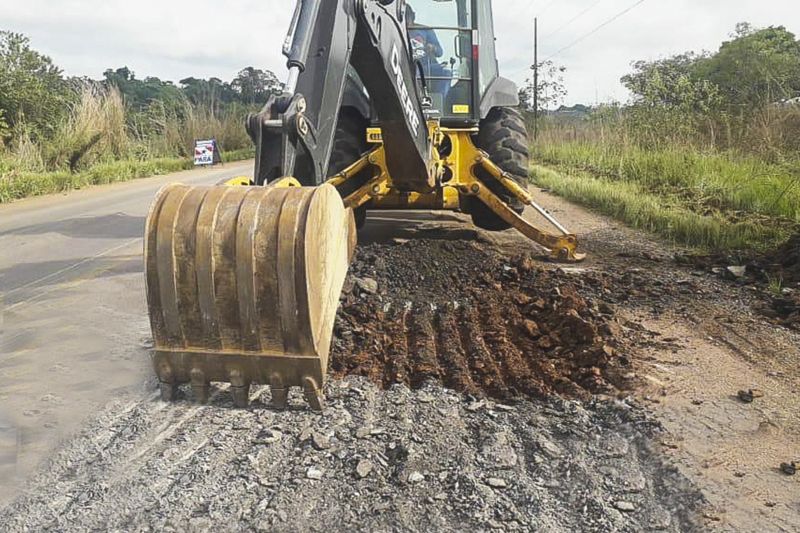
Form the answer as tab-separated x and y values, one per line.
478	322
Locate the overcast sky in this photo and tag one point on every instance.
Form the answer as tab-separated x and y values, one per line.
174	39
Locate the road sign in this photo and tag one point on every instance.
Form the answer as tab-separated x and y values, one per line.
206	153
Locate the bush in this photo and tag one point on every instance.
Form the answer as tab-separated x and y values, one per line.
57	133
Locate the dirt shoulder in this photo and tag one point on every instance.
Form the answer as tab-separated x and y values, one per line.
703	339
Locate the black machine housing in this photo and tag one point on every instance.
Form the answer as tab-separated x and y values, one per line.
356	54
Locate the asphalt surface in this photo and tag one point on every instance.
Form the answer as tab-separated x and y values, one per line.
74	326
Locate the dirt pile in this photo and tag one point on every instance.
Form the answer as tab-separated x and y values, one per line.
785	261
476	321
782	268
776	274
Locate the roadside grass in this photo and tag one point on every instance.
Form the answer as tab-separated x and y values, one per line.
99	140
775	285
665	216
238	155
16	184
709	200
707	181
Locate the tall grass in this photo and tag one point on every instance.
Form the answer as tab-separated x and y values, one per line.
100	141
708	181
173	130
634	205
94	131
682	189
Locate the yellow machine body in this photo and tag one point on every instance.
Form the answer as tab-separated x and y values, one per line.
456	160
243	281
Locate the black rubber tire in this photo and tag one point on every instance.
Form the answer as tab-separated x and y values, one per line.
349	145
504	137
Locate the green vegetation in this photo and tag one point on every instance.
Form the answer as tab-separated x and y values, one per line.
775	285
669	216
18	185
59	133
24	184
705	154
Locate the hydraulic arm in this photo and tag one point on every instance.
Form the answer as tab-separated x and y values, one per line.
294	134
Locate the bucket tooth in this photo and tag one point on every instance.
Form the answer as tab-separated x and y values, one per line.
200	386
168	385
201	393
280	392
241	396
313	394
240	389
243	284
169	391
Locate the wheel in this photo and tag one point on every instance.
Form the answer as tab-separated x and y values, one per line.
504	137
349	145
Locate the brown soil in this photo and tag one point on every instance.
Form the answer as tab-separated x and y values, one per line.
484	324
686	340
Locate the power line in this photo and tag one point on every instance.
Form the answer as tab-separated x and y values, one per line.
573	19
598	28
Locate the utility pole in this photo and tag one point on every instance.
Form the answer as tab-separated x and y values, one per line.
536	78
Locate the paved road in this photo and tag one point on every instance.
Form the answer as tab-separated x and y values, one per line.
74	324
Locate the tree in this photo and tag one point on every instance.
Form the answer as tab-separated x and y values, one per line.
211	94
672	84
33	93
139	94
756	68
552	90
669	101
255	86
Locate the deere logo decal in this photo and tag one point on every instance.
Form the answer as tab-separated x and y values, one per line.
411	114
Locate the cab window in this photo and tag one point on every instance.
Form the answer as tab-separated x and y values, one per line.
440	39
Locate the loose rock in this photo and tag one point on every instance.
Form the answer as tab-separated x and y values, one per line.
367	285
415	477
364	468
496	483
625	507
320	441
736	272
789	469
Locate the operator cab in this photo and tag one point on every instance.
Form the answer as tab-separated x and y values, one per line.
442	37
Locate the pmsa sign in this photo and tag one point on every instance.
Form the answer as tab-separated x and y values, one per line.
206	153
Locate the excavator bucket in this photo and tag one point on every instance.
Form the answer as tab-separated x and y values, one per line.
243	284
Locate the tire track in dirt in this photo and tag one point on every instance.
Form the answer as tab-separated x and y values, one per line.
503	343
422	348
395	362
482	363
450	351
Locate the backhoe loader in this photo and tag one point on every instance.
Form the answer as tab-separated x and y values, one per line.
388	104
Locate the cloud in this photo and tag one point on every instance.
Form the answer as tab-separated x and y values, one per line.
173	39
